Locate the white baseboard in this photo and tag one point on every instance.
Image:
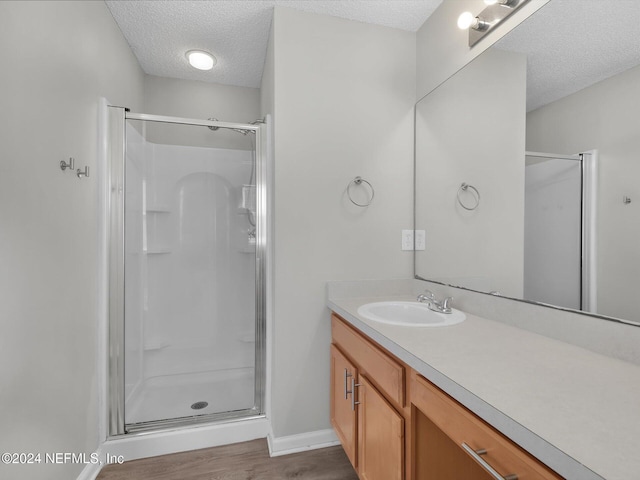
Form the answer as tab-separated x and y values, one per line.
175	441
91	471
301	442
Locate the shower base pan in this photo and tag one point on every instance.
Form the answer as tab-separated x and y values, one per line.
179	398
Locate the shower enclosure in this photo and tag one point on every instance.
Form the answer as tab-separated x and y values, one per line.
559	225
186	281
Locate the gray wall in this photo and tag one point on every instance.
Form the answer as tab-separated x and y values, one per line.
57	59
455	143
343	104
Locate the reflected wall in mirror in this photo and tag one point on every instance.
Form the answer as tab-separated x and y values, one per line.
544	125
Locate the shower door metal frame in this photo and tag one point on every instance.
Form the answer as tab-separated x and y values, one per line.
116	157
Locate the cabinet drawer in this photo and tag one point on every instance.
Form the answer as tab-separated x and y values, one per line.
388	374
462	426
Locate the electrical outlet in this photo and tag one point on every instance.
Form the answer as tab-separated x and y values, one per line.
420	240
407	239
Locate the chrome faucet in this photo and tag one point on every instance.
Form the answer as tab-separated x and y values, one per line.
429	298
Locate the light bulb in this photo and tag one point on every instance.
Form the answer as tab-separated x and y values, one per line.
465	20
201	60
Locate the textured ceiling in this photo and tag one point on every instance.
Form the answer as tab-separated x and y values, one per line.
572	44
235	31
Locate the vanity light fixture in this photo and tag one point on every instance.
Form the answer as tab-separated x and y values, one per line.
481	24
506	3
200	59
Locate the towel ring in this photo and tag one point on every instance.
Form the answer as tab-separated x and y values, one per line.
360	181
463	188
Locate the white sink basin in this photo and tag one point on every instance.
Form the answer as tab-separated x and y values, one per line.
409	314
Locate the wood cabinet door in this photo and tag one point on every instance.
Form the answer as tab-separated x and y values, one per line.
343	411
438	457
381	436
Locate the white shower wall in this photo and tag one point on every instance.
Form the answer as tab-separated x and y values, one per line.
190	276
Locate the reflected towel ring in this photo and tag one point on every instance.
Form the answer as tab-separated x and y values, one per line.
360	181
463	188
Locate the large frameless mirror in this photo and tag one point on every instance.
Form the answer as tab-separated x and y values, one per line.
527	167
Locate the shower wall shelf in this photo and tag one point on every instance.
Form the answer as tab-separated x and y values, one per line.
158	251
247	338
158	209
243	211
155	344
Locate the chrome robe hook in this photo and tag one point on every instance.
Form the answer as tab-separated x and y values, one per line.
64	165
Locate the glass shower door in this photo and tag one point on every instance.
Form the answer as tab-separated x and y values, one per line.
193	326
553	231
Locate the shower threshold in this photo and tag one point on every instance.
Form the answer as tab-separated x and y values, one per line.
193	421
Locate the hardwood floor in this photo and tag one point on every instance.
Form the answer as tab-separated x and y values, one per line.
241	461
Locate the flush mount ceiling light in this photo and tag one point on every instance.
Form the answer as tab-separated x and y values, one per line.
201	60
495	12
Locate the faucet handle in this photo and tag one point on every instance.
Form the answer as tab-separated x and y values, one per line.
426	297
446	304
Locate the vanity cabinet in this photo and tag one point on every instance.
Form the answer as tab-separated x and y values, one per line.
396	425
451	443
367	399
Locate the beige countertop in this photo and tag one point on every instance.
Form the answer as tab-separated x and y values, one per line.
577	411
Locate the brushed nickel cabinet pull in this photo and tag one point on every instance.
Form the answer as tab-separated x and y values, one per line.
346	386
476	455
353	393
